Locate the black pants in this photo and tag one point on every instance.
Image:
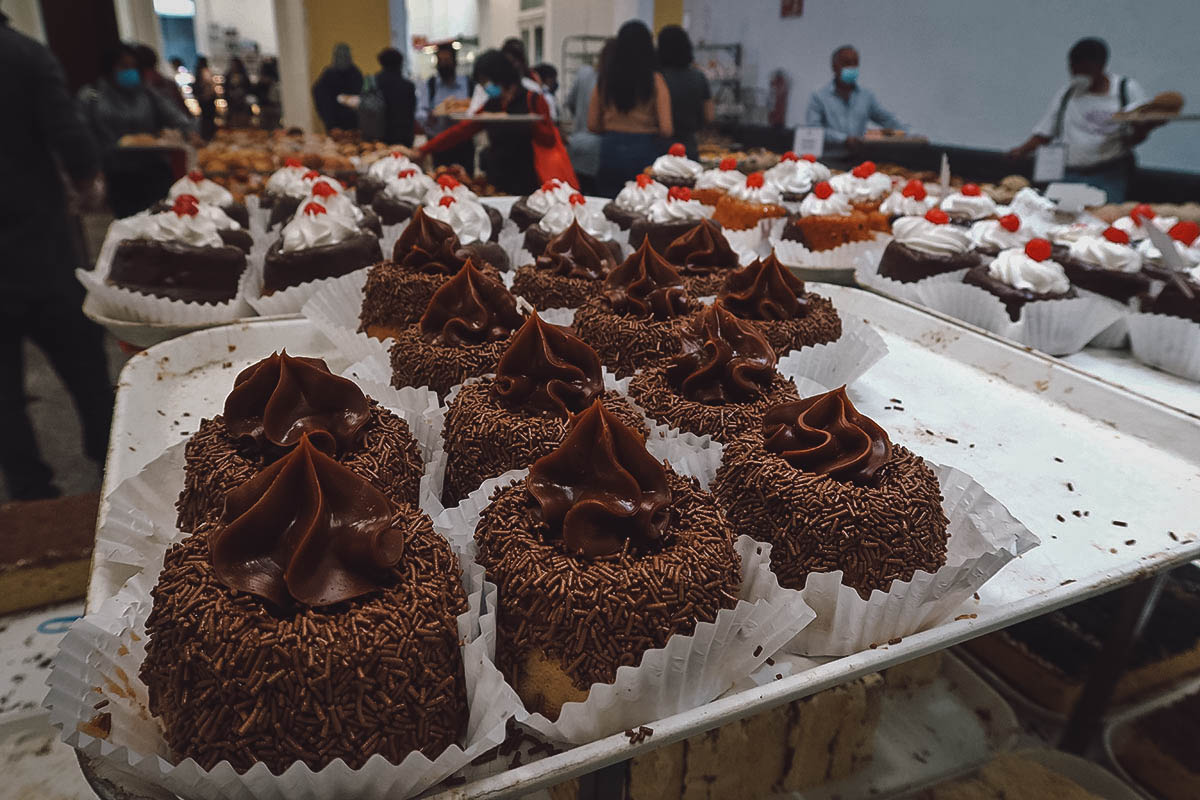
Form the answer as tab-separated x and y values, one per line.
462	154
74	347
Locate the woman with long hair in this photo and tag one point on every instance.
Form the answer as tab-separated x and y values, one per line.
630	108
691	99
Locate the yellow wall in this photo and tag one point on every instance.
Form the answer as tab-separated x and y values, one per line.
362	24
667	12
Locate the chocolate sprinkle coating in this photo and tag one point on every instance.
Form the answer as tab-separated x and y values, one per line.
651	390
215	462
626	343
819	325
591	616
395	295
875	534
416	362
545	289
484	438
233	680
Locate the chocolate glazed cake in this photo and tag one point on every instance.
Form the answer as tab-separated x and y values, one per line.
272	403
768	296
317	620
287	264
461	335
824	485
720	383
544	377
1172	301
570	270
637	317
703	257
600	554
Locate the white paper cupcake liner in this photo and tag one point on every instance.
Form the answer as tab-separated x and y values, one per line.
839	362
100	656
258	216
512	241
851	255
334	311
1171	344
1056	327
387	242
748	244
690	670
867	274
983	537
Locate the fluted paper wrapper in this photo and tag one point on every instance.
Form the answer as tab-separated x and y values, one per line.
839	362
748	244
867	275
334	311
259	216
100	657
1171	344
1057	327
1116	335
983	537
848	256
690	670
124	304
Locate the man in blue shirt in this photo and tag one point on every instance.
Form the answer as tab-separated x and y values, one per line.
447	83
843	108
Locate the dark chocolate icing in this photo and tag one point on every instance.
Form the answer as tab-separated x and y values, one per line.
428	245
470	308
548	369
575	253
601	491
702	250
826	435
279	399
646	285
765	290
305	531
722	359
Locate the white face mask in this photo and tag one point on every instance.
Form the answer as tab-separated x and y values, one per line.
1080	83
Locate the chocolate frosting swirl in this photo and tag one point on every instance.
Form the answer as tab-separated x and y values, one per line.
548	369
722	360
428	245
575	253
826	435
702	250
765	290
305	531
645	285
470	308
601	491
281	398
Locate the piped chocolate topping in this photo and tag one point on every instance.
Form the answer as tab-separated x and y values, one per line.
765	290
428	245
722	360
279	399
470	308
305	531
826	435
548	369
703	249
575	253
645	285
601	491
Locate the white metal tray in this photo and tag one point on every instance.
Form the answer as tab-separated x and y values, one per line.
1085	774
1023	424
1120	722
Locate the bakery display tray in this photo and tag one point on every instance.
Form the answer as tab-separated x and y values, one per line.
1120	723
1045	439
1087	775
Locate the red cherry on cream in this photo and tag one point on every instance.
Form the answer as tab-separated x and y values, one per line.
311	175
323	189
550	185
577	199
1185	231
406	173
864	170
1038	249
809	157
754	180
679	193
1140	212
186	205
823	190
644	180
914	189
678	150
1010	223
728	164
1115	235
397	154
448	182
790	155
312	209
937	216
195	176
292	162
971	190
447	200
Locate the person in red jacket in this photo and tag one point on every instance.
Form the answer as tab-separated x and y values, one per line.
509	158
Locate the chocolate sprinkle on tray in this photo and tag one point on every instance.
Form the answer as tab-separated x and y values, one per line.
1120	523
1060	518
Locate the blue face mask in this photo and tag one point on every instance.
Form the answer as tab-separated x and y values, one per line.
492	90
849	75
128	78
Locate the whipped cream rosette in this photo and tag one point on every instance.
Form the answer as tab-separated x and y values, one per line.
968	204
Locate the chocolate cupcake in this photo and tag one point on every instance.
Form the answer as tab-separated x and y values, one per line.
461	335
990	236
1107	265
675	168
425	256
634	200
768	296
703	257
569	272
316	244
667	219
376	176
315	621
209	192
601	554
546	376
1173	300
825	486
560	217
229	229
529	209
720	383
638	315
1185	238
400	195
1021	276
272	403
969	204
339	203
926	246
290	194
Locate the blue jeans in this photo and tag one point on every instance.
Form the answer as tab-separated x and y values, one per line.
1112	178
623	156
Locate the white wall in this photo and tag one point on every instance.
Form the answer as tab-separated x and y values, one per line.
497	22
294	80
254	19
970	73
